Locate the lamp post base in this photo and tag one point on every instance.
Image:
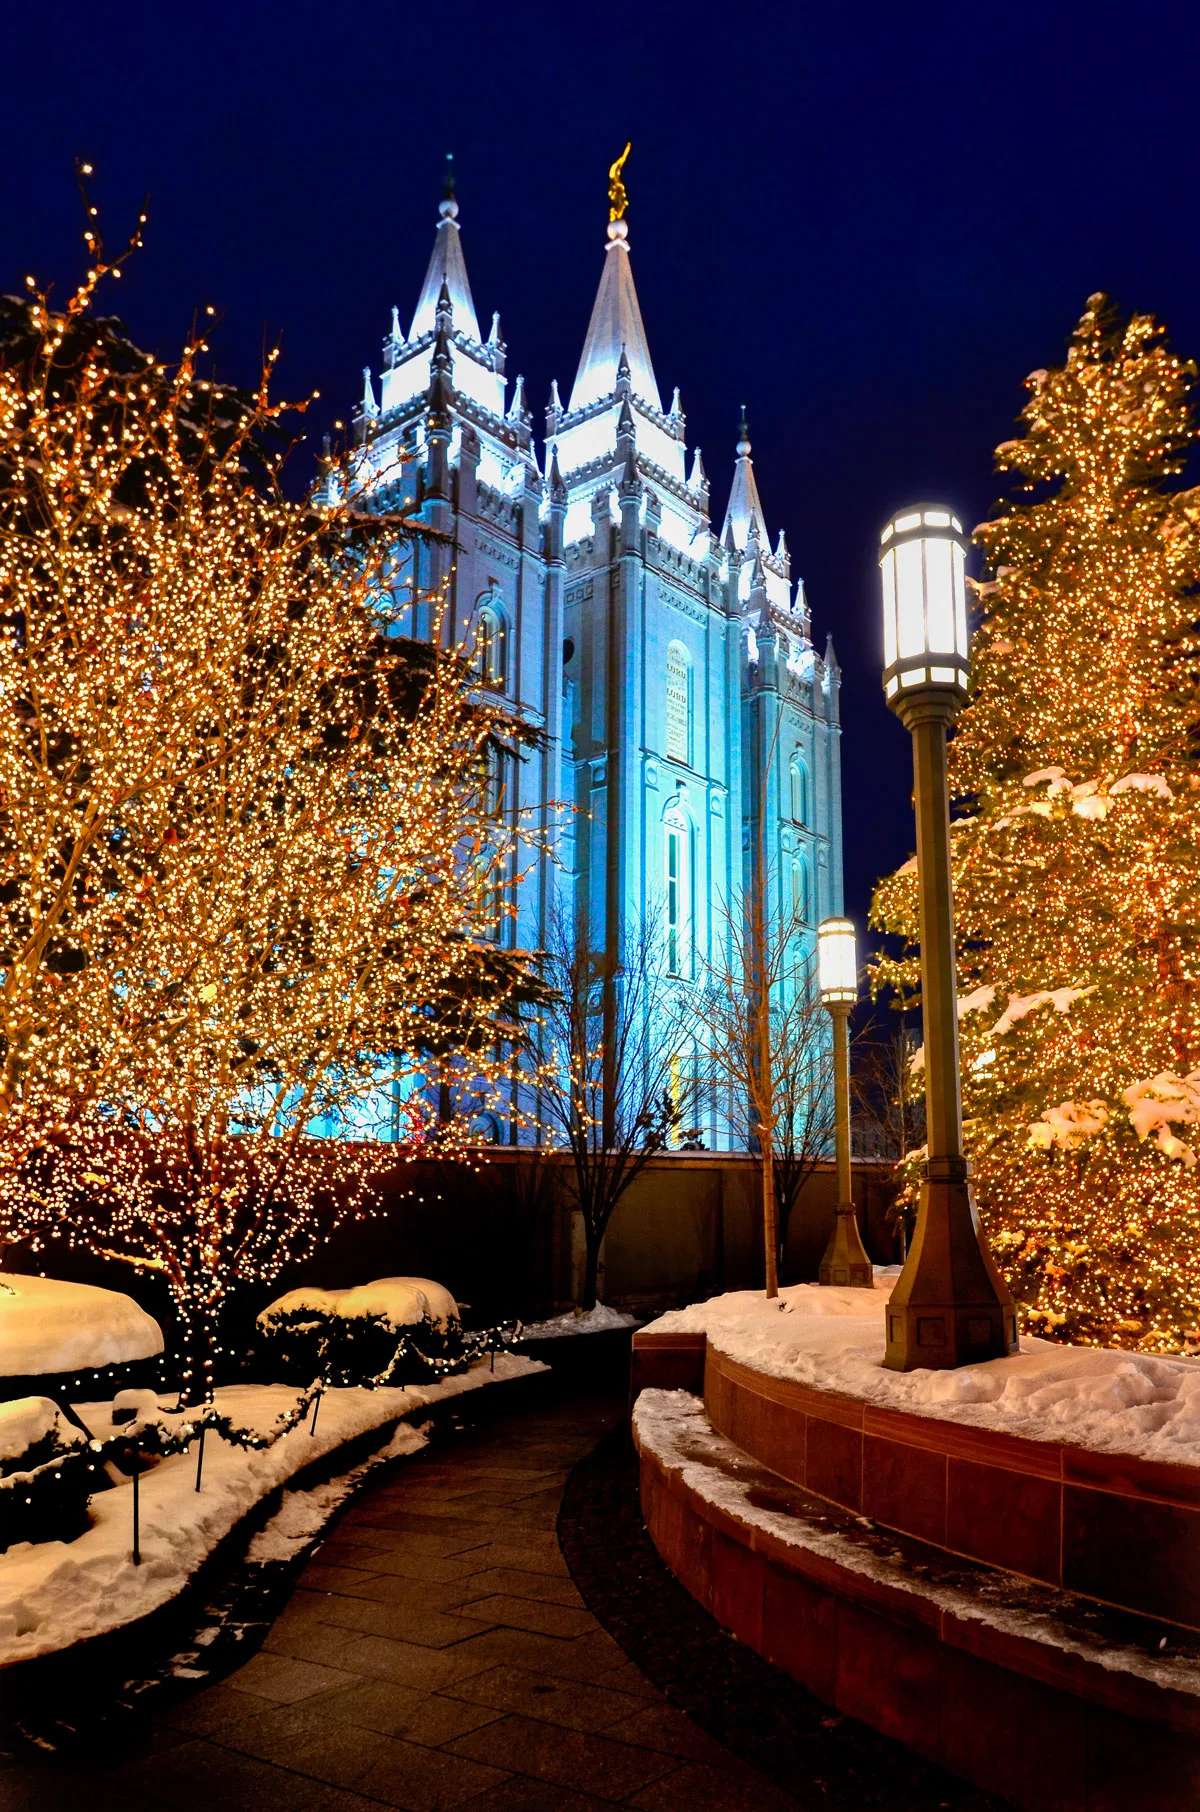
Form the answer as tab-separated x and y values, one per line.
845	1261
950	1306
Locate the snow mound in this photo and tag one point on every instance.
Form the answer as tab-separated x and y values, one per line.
577	1321
28	1420
833	1339
403	1302
751	1310
50	1326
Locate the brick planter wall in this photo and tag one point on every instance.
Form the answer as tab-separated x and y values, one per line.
1043	1724
1121	1530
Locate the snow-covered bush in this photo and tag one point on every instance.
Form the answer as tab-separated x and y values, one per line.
47	1472
397	1330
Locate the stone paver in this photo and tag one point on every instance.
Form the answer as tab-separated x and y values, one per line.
435	1654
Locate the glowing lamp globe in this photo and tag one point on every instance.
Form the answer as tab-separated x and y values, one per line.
837	962
922	561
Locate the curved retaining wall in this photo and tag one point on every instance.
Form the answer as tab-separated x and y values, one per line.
1002	1706
1121	1530
1110	1527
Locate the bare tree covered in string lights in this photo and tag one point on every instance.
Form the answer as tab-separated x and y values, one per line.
1077	866
246	853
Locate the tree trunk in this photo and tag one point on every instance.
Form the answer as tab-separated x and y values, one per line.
197	1353
770	1219
591	1268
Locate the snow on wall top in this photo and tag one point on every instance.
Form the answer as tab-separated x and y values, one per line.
50	1326
404	1302
833	1339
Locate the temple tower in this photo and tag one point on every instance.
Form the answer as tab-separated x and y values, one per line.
684	713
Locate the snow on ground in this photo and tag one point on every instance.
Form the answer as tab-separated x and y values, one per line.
48	1326
403	1302
303	1514
596	1320
56	1593
1096	1397
673	1426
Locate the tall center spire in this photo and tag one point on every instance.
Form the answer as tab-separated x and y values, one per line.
616	321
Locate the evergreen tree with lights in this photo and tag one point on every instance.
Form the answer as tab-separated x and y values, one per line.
1077	857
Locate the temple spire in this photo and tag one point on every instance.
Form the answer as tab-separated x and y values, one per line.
448	270
616	321
744	517
518	410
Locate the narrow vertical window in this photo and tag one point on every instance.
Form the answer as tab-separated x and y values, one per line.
799	791
677	859
489	646
493	780
800	892
679	704
673	901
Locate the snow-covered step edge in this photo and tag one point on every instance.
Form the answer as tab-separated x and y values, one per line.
54	1595
1013	1619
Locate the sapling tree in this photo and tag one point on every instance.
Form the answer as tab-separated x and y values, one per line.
766	1054
609	1106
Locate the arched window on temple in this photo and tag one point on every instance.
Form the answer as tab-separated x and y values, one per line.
490	639
679	704
799	790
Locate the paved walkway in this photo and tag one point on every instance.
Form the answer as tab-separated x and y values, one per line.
435	1654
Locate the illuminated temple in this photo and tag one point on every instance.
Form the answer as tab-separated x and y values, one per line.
669	665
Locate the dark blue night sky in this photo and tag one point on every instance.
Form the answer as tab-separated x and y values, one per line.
866	222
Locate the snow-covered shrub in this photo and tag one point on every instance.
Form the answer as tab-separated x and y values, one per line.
47	1473
398	1330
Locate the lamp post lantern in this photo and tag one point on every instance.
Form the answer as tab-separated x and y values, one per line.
845	1260
950	1306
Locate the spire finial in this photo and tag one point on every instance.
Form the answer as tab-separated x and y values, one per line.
618	199
449	206
743	445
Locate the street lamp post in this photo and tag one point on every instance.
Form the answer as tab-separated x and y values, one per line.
845	1260
950	1306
